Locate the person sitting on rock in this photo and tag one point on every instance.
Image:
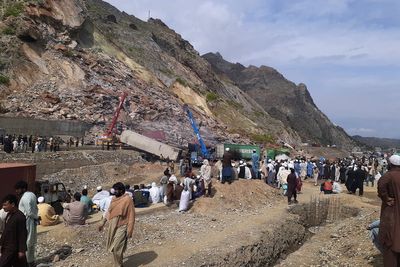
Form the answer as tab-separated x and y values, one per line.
373	234
75	213
327	187
336	188
47	213
154	193
140	197
87	201
101	194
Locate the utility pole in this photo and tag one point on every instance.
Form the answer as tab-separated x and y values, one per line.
148	16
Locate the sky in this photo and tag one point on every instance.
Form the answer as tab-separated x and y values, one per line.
347	52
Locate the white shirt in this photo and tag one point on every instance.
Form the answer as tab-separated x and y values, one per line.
336	188
3	216
99	196
154	194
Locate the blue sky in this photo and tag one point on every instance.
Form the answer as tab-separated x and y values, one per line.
347	52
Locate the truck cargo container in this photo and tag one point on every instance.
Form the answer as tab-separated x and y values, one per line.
11	173
245	151
149	145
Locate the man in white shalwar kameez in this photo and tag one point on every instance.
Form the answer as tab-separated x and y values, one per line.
28	206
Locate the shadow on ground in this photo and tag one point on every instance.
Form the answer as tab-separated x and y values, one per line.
141	258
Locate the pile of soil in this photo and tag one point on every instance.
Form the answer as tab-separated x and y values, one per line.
240	195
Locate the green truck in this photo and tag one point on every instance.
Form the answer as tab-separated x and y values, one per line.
242	151
272	153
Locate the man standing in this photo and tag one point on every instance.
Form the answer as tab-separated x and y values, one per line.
226	167
389	229
13	239
121	218
292	184
255	163
27	205
360	176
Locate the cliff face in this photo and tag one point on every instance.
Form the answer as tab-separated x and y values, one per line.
283	100
71	59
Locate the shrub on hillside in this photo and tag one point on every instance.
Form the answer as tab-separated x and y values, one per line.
211	96
14	9
4	79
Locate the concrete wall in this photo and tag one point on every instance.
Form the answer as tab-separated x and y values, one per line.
43	127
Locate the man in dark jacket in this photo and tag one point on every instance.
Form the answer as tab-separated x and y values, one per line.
292	184
13	239
359	176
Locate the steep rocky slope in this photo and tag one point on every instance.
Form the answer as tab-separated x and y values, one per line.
71	59
282	99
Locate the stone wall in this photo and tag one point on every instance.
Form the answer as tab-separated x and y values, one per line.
30	126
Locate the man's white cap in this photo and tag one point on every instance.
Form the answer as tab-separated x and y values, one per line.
99	188
395	160
241	162
40	199
227	149
85	187
153	184
269	160
291	166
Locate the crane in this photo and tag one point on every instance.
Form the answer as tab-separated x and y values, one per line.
110	129
108	137
196	131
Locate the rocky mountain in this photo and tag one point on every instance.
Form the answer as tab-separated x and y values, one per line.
282	99
384	143
71	59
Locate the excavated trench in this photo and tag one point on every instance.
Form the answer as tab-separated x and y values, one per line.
277	241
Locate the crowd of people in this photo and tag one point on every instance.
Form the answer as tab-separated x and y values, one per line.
13	143
22	212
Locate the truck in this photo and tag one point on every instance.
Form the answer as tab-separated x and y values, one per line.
242	151
149	145
11	173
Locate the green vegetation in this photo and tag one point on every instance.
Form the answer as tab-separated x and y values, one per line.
68	53
4	79
235	104
263	138
259	114
211	96
182	81
14	9
9	31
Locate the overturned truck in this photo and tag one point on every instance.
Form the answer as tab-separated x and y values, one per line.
149	145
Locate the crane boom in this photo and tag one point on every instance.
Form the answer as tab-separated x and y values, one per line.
116	114
196	131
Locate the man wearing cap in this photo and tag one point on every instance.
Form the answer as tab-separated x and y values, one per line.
244	172
101	194
47	213
389	232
